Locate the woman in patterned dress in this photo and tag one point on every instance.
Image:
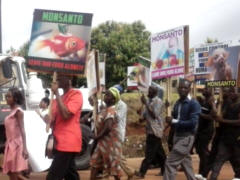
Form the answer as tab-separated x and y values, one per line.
107	154
15	154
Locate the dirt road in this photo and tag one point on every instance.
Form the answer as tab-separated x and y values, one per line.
226	173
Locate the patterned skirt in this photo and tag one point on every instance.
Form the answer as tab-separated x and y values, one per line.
107	156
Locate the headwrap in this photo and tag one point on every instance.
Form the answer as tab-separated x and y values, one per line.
115	93
119	88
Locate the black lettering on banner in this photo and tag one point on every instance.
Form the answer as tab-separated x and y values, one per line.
218	46
203	60
201	70
201	49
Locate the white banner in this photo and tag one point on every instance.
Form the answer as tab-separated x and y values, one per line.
91	74
132	76
167	53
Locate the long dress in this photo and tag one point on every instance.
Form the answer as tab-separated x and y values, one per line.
107	155
13	160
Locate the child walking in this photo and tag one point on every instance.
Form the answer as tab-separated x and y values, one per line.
15	154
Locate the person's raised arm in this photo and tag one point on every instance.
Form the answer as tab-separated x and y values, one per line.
106	129
149	109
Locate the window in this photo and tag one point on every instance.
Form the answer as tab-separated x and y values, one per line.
13	81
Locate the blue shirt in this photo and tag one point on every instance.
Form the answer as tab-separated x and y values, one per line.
189	114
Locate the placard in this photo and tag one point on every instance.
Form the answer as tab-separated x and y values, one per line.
59	41
168	52
218	63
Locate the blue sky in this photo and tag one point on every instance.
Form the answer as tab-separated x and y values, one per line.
207	18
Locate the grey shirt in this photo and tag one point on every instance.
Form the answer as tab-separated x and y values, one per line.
156	105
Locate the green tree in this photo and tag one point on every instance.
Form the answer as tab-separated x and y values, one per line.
23	50
123	43
11	51
210	40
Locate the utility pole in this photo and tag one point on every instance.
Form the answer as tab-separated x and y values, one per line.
0	26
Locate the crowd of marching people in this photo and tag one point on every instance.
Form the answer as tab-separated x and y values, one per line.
194	123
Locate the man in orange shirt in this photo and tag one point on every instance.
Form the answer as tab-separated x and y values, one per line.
66	111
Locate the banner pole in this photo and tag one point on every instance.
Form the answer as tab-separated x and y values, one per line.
50	105
169	80
95	96
194	90
219	109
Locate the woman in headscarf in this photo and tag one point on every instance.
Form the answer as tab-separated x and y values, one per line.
107	155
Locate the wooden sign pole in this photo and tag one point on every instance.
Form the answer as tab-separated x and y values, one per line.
97	69
50	105
238	70
169	83
219	109
95	96
103	87
194	90
186	50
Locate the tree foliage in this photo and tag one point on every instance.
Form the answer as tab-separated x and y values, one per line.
11	51
210	40
122	43
23	50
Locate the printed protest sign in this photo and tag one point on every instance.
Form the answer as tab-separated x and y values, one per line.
201	53
59	41
132	77
190	74
102	65
143	75
139	76
168	52
218	63
91	74
102	73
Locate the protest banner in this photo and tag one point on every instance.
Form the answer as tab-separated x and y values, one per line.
139	75
218	64
102	66
190	73
91	74
169	52
201	53
132	77
190	68
144	74
59	41
169	56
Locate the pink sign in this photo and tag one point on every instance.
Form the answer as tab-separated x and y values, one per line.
163	73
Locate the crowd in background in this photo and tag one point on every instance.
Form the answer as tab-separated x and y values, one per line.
194	123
